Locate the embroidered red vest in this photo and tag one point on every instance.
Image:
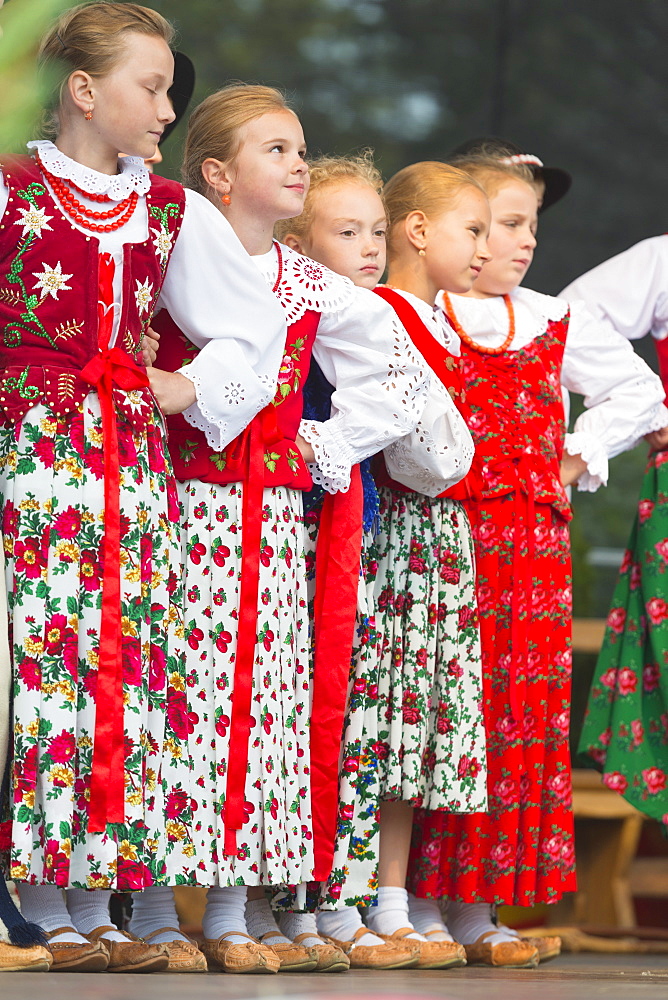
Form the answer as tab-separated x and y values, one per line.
49	294
192	456
446	367
515	412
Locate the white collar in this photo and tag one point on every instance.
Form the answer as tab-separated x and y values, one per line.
133	174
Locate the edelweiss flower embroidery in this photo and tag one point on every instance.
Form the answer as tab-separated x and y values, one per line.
144	296
52	280
33	220
162	241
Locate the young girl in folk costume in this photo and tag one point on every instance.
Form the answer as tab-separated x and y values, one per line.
516	347
102	799
246	614
343	226
624	732
428	688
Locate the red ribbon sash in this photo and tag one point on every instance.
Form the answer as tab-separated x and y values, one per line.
111	367
261	432
337	577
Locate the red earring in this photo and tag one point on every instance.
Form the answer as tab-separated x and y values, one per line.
89	114
226	199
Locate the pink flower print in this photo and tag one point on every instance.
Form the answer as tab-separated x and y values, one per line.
45	450
30	673
463	853
627	681
30	557
616	782
650	677
351	764
62	747
176	804
68	523
346	812
609	678
502	855
655	779
409	710
638	731
416	561
616	619
180	720
90	571
381	749
156	668
645	509
506	791
467	618
657	609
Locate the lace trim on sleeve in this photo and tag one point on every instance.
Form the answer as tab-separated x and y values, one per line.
198	416
594	455
333	459
133	174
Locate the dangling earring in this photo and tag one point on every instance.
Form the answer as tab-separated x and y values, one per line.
89	114
422	252
226	199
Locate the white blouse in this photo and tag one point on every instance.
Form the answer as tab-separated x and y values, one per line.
622	394
211	290
439	452
380	381
629	292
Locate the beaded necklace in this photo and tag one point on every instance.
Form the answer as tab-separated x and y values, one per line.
83	215
450	313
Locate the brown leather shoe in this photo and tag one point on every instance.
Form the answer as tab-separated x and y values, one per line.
330	957
251	956
548	947
184	956
293	957
131	955
68	956
507	954
390	955
36	958
430	954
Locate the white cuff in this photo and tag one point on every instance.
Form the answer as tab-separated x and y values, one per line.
197	416
594	456
333	458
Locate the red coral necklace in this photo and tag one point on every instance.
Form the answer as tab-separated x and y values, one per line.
83	215
450	313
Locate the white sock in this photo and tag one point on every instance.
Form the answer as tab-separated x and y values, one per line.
89	909
45	905
260	920
391	913
224	914
426	917
343	924
467	921
294	924
152	909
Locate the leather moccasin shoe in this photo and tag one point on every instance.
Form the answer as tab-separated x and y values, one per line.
517	954
132	954
184	956
330	957
430	954
67	956
293	957
249	956
548	947
390	955
36	958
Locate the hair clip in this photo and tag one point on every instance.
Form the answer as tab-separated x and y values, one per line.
528	159
62	43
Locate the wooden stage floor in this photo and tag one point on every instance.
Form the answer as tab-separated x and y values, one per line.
571	977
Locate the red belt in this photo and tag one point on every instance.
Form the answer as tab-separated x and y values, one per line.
110	367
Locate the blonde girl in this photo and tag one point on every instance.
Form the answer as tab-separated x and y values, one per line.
518	347
244	550
101	778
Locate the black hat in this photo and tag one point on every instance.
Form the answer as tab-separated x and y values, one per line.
557	181
180	91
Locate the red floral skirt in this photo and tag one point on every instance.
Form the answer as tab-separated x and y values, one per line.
522	851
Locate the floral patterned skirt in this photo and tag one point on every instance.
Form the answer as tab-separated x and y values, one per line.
431	738
625	733
52	483
354	877
275	844
522	851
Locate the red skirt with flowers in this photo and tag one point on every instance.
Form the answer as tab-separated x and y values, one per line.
522	851
625	733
